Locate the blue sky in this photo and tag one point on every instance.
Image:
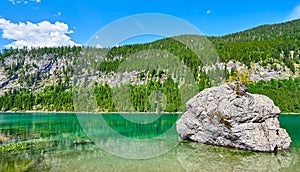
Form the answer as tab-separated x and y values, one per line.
74	22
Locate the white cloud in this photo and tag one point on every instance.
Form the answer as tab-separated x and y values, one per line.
208	12
12	1
43	34
58	14
295	14
24	1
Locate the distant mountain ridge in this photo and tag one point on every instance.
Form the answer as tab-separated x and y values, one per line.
289	29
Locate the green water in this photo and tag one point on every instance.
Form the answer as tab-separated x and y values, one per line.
65	142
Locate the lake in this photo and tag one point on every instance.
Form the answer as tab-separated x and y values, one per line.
125	142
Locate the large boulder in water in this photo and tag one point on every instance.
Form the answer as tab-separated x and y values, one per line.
229	116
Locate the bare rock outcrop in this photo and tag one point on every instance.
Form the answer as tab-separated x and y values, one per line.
229	116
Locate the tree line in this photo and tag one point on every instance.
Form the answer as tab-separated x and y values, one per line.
144	98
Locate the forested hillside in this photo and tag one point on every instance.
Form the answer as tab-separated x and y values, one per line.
42	78
268	43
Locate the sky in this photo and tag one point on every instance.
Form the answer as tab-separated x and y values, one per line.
38	23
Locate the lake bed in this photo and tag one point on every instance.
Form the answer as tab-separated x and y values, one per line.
70	142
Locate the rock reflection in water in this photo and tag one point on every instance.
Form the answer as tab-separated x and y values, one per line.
201	157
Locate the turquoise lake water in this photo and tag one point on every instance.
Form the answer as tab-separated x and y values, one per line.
132	142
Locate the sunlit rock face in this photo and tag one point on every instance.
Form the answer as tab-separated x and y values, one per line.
229	116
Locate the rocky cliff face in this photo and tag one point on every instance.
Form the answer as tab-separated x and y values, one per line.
229	116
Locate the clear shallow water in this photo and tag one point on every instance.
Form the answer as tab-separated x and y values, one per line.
57	142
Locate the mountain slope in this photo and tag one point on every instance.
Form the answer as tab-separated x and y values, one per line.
285	30
42	78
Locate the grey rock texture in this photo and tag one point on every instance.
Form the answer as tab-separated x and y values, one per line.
229	116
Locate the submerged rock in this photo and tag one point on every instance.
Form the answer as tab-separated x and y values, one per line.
229	116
